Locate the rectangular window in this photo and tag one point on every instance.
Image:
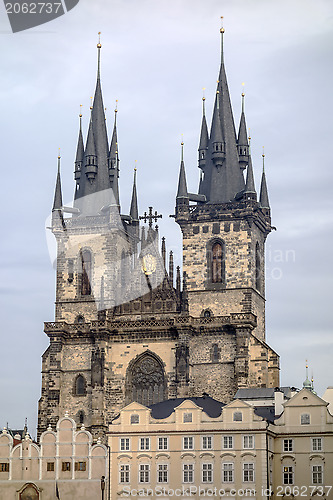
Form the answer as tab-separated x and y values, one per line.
66	466
187	417
4	467
124	444
317	444
228	442
288	475
144	473
188	473
248	473
124	473
162	473
228	473
248	442
207	442
305	419
135	419
237	417
80	466
144	443
207	473
317	474
188	443
288	445
162	443
50	466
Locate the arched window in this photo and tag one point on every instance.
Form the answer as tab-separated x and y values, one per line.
258	268
123	269
80	386
217	263
215	353
80	417
85	272
146	381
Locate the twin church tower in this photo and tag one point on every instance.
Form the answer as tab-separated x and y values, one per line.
130	327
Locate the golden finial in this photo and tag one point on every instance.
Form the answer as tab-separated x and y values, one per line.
203	93
99	45
222	29
263	151
306	364
135	168
116	108
59	154
80	115
243	85
91	105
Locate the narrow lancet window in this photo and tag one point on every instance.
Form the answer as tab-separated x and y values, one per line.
86	273
258	268
217	263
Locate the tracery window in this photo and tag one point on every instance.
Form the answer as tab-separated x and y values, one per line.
146	381
86	272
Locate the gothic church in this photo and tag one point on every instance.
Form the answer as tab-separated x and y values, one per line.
128	327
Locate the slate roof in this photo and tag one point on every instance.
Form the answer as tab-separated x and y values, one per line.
260	392
210	406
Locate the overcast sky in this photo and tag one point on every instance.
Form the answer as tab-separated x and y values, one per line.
156	58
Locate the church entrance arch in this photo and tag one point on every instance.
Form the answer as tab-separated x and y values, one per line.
146	380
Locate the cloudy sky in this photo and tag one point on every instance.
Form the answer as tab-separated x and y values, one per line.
156	58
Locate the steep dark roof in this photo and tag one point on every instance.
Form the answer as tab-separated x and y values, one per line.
210	406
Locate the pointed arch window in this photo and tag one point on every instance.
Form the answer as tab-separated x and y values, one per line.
217	262
258	268
80	386
146	382
86	266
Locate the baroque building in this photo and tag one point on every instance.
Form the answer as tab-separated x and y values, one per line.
128	327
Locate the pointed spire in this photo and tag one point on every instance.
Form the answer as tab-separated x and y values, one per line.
163	251
223	178
79	152
57	203
204	138
134	212
113	158
178	280
242	142
182	185
171	269
218	146
263	199
99	46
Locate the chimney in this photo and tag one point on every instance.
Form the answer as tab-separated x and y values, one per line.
278	401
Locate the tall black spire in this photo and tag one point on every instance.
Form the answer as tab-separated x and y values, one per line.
113	159
182	184
223	177
134	211
204	138
79	160
57	202
242	141
263	199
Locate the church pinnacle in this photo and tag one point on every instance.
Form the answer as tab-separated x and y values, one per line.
57	203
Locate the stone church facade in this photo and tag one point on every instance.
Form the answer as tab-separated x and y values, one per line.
128	327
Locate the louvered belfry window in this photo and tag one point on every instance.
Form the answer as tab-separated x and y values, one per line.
217	263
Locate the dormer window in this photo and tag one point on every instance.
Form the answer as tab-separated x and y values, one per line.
135	419
305	419
238	416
